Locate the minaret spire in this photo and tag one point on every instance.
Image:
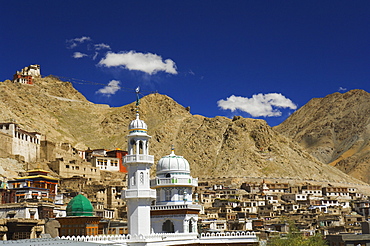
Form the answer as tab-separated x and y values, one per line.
172	149
137	90
137	96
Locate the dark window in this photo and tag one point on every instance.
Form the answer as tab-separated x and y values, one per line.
168	227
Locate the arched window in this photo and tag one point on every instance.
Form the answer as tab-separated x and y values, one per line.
133	147
168	227
141	147
190	226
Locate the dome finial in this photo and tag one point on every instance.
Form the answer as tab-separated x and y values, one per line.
172	149
137	126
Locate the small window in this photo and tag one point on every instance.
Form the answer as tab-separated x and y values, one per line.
168	195
141	178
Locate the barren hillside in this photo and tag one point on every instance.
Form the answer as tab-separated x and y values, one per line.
336	130
215	147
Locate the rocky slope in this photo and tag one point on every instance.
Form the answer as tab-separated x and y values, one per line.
336	130
215	147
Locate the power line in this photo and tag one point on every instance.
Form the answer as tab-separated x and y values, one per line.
87	82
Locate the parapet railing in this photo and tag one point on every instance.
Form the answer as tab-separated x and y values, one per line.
161	236
138	158
174	180
179	206
228	234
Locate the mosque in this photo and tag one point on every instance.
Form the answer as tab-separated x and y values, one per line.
174	211
173	219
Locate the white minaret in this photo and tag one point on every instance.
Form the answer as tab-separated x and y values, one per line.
138	195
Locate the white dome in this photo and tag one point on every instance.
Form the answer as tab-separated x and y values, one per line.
137	126
173	163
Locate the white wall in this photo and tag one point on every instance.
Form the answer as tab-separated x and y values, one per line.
180	222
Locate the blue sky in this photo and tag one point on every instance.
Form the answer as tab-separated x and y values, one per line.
258	59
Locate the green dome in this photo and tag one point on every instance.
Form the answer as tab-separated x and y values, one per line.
80	206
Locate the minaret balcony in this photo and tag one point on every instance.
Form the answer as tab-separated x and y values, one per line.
136	194
176	207
175	181
140	158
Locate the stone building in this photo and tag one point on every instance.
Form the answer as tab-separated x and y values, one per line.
27	74
106	163
35	187
18	143
76	167
29	197
106	160
21	228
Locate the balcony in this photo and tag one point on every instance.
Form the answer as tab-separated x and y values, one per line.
138	159
172	207
157	182
127	194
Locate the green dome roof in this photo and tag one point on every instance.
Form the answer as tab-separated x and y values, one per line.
80	206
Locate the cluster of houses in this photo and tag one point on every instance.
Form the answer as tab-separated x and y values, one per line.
270	206
265	207
28	200
29	203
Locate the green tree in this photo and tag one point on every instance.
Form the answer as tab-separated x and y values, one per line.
296	238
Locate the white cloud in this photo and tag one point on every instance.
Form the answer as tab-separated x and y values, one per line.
95	55
110	89
78	55
76	41
258	105
147	63
101	46
82	39
342	89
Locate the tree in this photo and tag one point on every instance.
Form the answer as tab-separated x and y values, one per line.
296	238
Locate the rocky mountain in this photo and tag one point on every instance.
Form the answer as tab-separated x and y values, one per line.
336	130
215	147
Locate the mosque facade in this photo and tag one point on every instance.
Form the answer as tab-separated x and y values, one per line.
174	210
161	211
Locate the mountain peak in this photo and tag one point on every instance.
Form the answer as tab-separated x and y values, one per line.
335	129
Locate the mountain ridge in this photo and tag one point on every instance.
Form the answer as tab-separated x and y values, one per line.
215	147
336	130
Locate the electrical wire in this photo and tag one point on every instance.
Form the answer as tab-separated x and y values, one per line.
87	82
